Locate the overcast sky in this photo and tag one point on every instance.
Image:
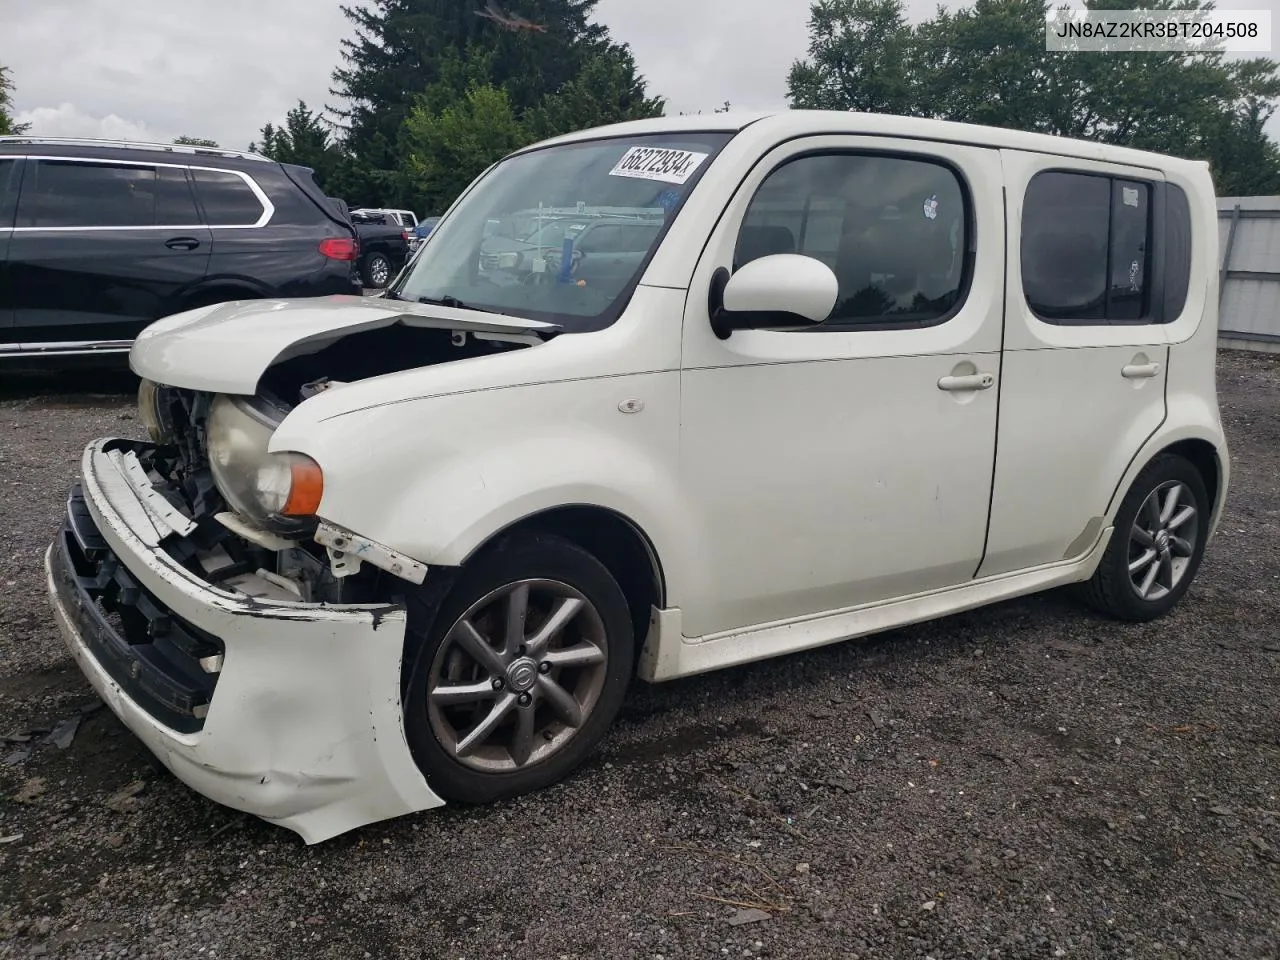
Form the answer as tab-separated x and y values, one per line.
220	69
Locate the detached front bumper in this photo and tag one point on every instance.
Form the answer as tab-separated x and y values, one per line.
289	711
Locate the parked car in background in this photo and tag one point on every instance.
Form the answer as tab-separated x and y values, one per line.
406	218
98	238
384	247
606	245
386	553
419	234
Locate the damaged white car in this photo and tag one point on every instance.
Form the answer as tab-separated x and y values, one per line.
656	399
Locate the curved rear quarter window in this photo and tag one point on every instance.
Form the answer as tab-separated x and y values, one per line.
227	200
1178	251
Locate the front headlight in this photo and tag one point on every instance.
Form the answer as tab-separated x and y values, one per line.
277	490
149	411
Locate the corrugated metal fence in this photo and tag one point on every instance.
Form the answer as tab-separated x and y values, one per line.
1249	272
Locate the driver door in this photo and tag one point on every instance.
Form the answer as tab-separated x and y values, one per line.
833	467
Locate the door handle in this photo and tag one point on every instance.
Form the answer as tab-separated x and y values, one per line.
182	243
974	381
1140	371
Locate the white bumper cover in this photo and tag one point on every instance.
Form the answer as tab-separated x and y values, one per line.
304	727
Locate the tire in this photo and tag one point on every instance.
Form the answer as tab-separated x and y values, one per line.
443	732
1117	593
376	271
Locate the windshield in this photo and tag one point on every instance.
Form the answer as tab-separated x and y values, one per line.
561	234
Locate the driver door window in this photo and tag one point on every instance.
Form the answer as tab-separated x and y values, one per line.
893	229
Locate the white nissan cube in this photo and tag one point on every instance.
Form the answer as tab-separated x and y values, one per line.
657	399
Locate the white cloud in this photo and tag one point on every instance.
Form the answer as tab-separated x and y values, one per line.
68	121
223	68
216	69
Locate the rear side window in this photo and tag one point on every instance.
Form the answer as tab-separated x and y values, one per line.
227	200
1065	224
1087	248
175	202
59	193
895	230
1129	294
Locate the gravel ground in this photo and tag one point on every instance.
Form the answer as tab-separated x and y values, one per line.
1023	781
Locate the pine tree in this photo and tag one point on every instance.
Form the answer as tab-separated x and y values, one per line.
305	139
419	58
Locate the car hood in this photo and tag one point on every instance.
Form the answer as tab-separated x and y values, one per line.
226	348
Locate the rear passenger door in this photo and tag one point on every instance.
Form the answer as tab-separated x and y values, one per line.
1085	351
10	177
101	248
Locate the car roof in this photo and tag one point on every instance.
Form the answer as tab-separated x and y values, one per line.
85	148
782	125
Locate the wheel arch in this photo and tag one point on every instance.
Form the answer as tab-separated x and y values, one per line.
614	539
1204	457
1204	449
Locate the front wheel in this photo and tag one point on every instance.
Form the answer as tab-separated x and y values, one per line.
1157	545
521	671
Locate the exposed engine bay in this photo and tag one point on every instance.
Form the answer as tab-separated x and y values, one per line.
212	529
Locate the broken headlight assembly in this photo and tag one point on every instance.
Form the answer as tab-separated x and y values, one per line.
278	491
152	413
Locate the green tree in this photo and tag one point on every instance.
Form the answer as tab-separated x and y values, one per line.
1244	160
303	138
195	142
406	50
987	64
607	90
858	58
446	150
8	126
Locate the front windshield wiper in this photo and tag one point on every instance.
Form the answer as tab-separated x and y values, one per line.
448	301
456	304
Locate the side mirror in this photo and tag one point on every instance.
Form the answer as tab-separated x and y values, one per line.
783	290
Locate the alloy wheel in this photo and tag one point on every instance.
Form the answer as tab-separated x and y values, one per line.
1163	540
517	675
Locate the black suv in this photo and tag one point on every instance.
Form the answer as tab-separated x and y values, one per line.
100	238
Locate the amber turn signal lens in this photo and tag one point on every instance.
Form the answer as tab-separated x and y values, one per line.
306	487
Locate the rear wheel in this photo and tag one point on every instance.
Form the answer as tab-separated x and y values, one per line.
521	671
376	271
1157	545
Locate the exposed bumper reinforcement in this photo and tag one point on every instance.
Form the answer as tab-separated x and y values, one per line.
303	726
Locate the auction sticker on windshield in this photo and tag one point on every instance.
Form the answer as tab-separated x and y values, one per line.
658	163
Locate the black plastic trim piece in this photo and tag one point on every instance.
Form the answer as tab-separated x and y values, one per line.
155	658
